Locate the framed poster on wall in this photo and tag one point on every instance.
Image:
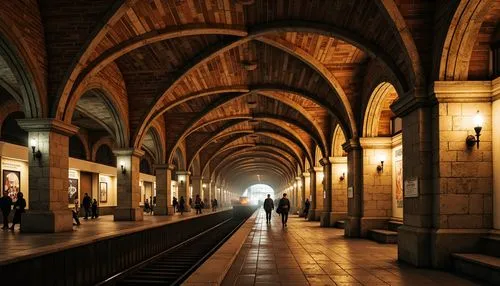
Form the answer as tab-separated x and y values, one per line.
72	191
12	183
103	192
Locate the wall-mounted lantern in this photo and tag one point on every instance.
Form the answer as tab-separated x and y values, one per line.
123	167
36	153
472	140
342	177
380	168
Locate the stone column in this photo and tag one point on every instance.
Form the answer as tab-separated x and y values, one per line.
377	185
302	194
355	184
196	182
183	187
312	188
128	189
327	192
339	189
213	188
163	191
48	176
207	190
319	193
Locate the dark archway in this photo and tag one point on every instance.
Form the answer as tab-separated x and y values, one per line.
11	132
76	148
104	155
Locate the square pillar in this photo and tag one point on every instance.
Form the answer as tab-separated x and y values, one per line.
207	190
377	185
327	192
48	176
183	187
128	189
163	189
319	193
355	184
196	182
312	196
339	189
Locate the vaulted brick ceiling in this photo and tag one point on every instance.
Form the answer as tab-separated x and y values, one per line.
269	81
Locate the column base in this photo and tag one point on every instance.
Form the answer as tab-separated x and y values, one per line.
47	221
161	210
368	223
352	226
324	220
314	215
128	214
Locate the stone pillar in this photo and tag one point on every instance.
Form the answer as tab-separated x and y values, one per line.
163	191
302	194
354	188
48	176
327	193
183	187
339	189
196	182
207	190
312	196
213	189
128	189
319	193
377	185
452	208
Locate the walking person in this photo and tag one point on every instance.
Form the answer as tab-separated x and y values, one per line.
284	207
87	203
19	207
214	205
268	207
182	205
94	209
5	206
198	204
307	205
75	211
175	203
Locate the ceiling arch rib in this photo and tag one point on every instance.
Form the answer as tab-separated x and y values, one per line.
246	165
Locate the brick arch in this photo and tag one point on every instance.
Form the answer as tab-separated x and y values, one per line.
337	142
377	114
317	156
180	158
85	142
458	44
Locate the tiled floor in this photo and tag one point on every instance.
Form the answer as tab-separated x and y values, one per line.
16	245
305	254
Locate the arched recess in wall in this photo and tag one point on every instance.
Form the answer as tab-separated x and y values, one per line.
10	130
77	148
378	115
338	140
145	166
307	166
153	144
17	79
104	155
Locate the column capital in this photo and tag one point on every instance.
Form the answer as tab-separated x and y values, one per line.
351	144
375	142
187	173
207	181
318	169
164	166
412	100
306	174
311	171
326	160
339	160
298	178
47	125
196	178
461	91
128	152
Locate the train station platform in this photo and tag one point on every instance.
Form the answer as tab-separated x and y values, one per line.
305	254
17	246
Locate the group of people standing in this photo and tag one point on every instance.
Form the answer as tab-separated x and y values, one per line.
6	207
89	206
180	205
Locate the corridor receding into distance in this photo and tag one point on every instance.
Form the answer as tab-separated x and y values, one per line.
140	139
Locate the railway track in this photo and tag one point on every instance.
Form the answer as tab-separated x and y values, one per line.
174	265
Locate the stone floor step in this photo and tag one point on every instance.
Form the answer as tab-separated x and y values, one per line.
490	244
480	266
393	225
340	224
383	236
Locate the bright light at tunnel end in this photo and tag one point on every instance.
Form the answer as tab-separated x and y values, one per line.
258	193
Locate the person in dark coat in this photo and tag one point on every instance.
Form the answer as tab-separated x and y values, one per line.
19	207
268	207
175	203
87	203
214	205
284	208
94	209
5	206
307	205
182	205
198	204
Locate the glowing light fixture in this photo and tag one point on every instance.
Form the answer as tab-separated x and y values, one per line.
36	153
381	158
472	140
